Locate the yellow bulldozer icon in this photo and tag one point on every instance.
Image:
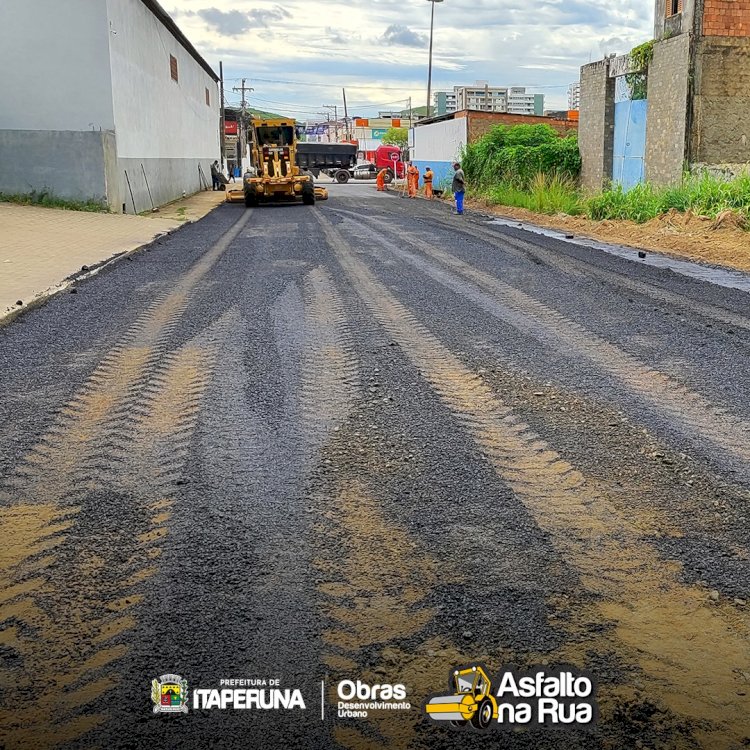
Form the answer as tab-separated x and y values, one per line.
274	174
471	702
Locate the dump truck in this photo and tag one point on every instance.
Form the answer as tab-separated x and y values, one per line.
273	174
337	160
471	701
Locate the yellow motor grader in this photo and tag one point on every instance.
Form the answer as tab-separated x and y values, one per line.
274	174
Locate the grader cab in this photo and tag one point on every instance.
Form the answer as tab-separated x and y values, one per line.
274	175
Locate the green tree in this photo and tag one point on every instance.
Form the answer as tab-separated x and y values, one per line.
397	137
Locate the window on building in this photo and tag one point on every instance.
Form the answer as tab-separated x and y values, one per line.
173	68
674	7
208	98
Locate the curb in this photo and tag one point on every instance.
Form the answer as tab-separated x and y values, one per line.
42	298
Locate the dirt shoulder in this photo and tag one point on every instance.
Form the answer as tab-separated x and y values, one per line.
716	241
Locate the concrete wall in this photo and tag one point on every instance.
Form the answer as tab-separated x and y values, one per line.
164	125
721	105
55	61
480	123
66	163
438	145
167	179
596	125
56	114
666	128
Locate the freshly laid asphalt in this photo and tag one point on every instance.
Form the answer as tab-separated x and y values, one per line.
373	440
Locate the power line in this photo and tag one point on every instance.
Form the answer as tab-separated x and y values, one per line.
392	88
336	85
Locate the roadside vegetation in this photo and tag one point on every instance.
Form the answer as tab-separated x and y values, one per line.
47	200
396	137
531	167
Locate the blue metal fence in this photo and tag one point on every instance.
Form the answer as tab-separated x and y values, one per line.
630	137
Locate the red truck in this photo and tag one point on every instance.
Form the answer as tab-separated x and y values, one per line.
390	158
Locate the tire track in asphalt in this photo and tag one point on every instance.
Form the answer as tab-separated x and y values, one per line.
374	590
368	599
59	467
51	605
653	615
64	629
330	374
375	586
572	266
694	412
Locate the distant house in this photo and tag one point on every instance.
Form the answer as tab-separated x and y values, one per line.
104	100
437	142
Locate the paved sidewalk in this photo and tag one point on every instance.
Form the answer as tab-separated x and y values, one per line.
41	247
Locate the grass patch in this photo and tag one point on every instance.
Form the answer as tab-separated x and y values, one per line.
703	195
545	194
47	200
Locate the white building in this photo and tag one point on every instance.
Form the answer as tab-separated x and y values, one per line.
485	98
574	95
103	100
521	103
445	102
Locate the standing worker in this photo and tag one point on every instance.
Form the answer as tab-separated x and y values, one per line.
428	177
459	187
215	179
412	180
380	180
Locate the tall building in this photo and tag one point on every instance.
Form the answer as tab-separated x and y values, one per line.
485	98
445	102
574	96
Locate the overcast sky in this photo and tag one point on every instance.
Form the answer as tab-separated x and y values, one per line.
298	54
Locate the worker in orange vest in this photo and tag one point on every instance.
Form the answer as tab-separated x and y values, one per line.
428	177
380	180
412	180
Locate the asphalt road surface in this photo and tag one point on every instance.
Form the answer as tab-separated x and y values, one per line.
372	440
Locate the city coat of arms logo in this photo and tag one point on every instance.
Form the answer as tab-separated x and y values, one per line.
169	694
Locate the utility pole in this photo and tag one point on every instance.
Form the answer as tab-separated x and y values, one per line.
346	117
429	70
243	117
222	121
243	89
335	108
409	144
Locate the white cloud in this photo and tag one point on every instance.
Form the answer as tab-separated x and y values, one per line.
403	35
377	48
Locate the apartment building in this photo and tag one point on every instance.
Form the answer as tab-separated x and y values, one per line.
485	98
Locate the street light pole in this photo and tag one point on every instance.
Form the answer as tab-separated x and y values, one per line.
429	70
